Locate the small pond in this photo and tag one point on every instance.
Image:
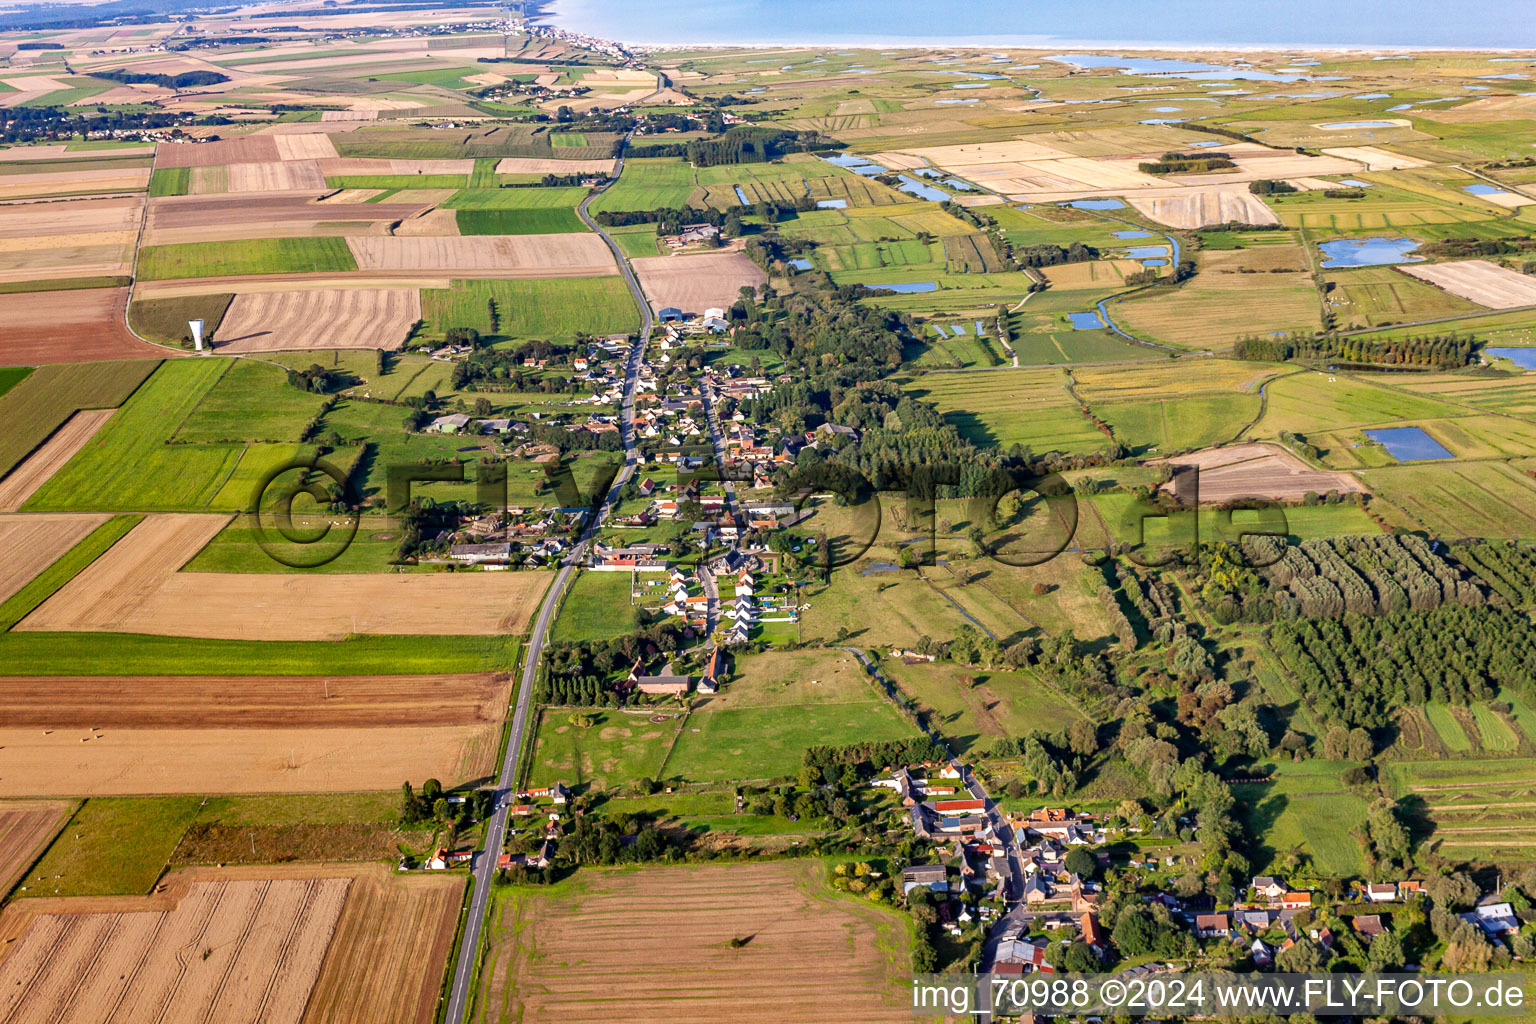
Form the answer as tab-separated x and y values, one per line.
913	187
1096	204
1409	444
831	204
1354	183
909	286
1154	263
1137	252
1368	252
1088	321
1336	125
799	263
1484	190
1525	358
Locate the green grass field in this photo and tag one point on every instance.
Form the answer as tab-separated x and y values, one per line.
1007	406
549	307
973	709
69	565
130	466
10	376
113	846
35	407
397	181
165	320
1193	422
170	181
1447	728
597	605
516	199
1478	499
648	184
1305	808
250	256
113	654
237	548
251	402
517	222
613	752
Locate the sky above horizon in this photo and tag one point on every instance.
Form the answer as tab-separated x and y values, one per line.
1417	23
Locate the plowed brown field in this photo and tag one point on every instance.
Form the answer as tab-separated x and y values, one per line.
1260	471
25	479
251	702
319	318
542	165
247	150
811	956
32	543
69	327
1486	284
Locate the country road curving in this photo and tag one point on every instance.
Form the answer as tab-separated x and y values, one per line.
484	865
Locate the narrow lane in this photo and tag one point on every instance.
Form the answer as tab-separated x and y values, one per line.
484	865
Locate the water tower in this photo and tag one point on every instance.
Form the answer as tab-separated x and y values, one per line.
197	333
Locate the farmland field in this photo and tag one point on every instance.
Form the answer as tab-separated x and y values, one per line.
549	947
1006	407
288	942
973	709
549	307
1305	808
135	588
26	828
1476	809
255	256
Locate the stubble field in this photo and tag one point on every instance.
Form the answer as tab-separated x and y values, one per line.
25	829
32	543
22	482
554	957
136	588
320	318
696	283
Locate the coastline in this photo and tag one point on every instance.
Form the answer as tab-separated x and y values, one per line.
548	13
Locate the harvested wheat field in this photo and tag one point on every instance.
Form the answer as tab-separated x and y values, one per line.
697	282
78	326
227	951
80	761
25	829
128	574
20	186
566	255
34	542
321	318
386	962
557	959
72	217
252	702
1374	158
276	176
135	588
1484	283
1196	207
23	481
308	146
433	223
545	165
1260	471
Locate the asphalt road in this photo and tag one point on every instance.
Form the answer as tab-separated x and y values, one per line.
484	864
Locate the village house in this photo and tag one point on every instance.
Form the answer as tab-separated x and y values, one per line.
1296	900
1212	926
926	876
1495	919
665	684
1381	892
1368	926
1267	887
